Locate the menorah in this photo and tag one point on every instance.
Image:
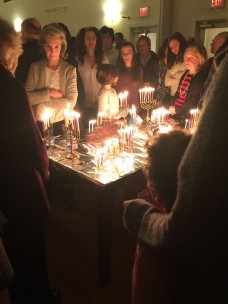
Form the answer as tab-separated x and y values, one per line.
70	135
47	135
147	105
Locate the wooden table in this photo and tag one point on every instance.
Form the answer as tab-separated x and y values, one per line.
98	196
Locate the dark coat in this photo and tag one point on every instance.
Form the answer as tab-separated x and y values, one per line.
192	97
23	199
196	230
32	51
150	70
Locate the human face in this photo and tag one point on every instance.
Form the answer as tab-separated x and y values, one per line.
90	39
217	42
115	79
127	54
143	48
52	48
192	61
174	46
107	41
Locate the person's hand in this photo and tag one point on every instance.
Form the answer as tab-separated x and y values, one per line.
172	110
55	94
133	214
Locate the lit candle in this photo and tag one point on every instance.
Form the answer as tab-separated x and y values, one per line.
46	118
91	123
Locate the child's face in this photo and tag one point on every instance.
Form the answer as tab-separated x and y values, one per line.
115	80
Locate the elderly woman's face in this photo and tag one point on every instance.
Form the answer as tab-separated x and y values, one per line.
191	60
52	47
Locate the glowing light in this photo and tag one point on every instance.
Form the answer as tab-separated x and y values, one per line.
112	11
17	24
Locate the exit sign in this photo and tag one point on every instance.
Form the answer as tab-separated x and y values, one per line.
217	3
144	11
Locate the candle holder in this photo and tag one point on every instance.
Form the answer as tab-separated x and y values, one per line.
123	112
70	134
148	105
47	136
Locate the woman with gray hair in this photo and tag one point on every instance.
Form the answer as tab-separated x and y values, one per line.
52	82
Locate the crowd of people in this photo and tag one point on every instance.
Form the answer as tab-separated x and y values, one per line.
177	72
53	70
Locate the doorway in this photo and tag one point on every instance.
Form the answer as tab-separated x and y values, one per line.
206	30
145	30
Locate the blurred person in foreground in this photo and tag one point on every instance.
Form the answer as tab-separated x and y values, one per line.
24	169
196	228
153	276
6	270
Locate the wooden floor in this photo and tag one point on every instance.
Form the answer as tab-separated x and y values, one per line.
72	258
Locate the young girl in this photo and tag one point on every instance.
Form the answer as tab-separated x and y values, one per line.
130	74
108	101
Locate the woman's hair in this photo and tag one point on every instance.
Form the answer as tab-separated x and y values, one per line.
180	57
162	52
54	30
135	69
198	51
9	37
164	155
81	47
106	73
146	38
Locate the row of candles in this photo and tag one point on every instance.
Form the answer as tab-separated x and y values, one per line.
192	122
71	119
145	94
159	116
102	115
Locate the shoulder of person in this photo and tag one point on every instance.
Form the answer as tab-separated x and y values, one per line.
38	64
105	59
154	56
67	65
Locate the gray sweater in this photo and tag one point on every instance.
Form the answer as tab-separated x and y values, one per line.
196	230
38	84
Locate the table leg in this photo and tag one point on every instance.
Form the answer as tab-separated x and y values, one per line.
104	224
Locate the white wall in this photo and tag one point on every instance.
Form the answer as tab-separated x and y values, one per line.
168	16
81	13
187	12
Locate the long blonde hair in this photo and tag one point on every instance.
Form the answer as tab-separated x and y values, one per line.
10	43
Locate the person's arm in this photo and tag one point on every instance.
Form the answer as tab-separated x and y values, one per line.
102	101
201	201
36	96
27	136
69	96
174	74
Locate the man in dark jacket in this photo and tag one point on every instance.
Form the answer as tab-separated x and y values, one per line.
148	60
32	50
